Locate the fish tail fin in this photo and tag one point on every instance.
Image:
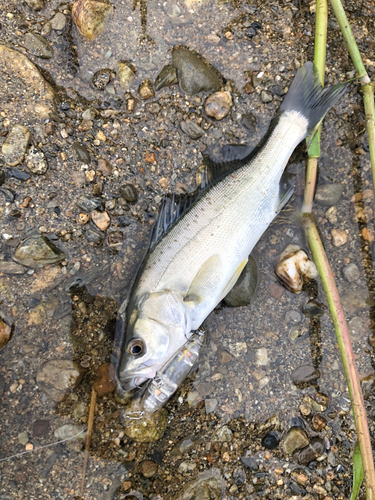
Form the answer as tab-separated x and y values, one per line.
307	97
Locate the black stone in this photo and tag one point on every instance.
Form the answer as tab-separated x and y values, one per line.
2	177
81	152
129	193
271	440
249	121
18	174
239	476
102	78
89	203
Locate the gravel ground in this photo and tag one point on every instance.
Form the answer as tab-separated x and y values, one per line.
267	414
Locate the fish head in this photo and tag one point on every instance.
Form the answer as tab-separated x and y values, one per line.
157	328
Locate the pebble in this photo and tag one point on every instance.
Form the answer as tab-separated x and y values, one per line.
37	94
85	125
307	455
295	439
359	327
15	145
148	468
9	267
57	377
102	78
250	463
126	74
148	428
2	177
150	158
145	90
295	268
261	356
305	374
367	234
245	288
293	317
204	389
314	309
129	193
328	195
38	46
266	97
23	438
90	17
58	21
40	427
276	291
218	105
5	333
194	72
18	174
81	153
105	380
224	434
89	114
210	405
192	129
271	440
249	121
69	431
319	422
37	251
351	272
89	203
239	476
353	300
100	219
35	4
36	161
166	77
339	238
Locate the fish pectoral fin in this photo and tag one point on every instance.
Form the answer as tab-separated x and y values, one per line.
233	280
205	281
286	189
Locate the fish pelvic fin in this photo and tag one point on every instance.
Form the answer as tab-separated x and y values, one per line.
307	97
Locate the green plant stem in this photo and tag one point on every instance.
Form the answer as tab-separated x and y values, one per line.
368	101
346	350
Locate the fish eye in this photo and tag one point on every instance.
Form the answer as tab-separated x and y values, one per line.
136	347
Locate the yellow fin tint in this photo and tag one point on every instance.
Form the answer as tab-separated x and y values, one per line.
233	279
207	278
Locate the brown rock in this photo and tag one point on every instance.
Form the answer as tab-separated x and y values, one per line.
85	125
57	377
126	485
319	422
225	357
276	291
83	218
100	219
367	234
146	90
150	158
248	88
295	439
149	468
5	332
218	105
105	380
339	238
104	167
40	427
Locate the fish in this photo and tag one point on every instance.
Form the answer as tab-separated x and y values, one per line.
200	244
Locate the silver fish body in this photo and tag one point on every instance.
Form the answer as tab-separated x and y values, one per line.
200	256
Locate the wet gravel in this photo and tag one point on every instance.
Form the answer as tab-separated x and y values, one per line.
267	413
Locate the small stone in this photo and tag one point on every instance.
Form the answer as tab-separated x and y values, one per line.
239	476
90	175
314	309
15	145
126	485
339	238
328	195
89	114
218	105
18	174
5	332
295	268
150	158
245	288
351	272
359	327
295	439
367	234
353	300
37	251
225	357
90	17
58	377
224	434
40	427
145	90
104	167
101	136
276	291
105	380
187	467
191	129
115	240
248	88
250	463
36	161
148	428
204	389
23	438
100	219
58	21
271	440
81	153
129	193
69	431
307	455
85	125
126	73
210	405
305	374
35	4
9	267
89	203
261	356
166	77
148	468
266	97
131	103
102	78
38	46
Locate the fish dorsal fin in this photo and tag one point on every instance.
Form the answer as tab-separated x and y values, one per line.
228	159
173	207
